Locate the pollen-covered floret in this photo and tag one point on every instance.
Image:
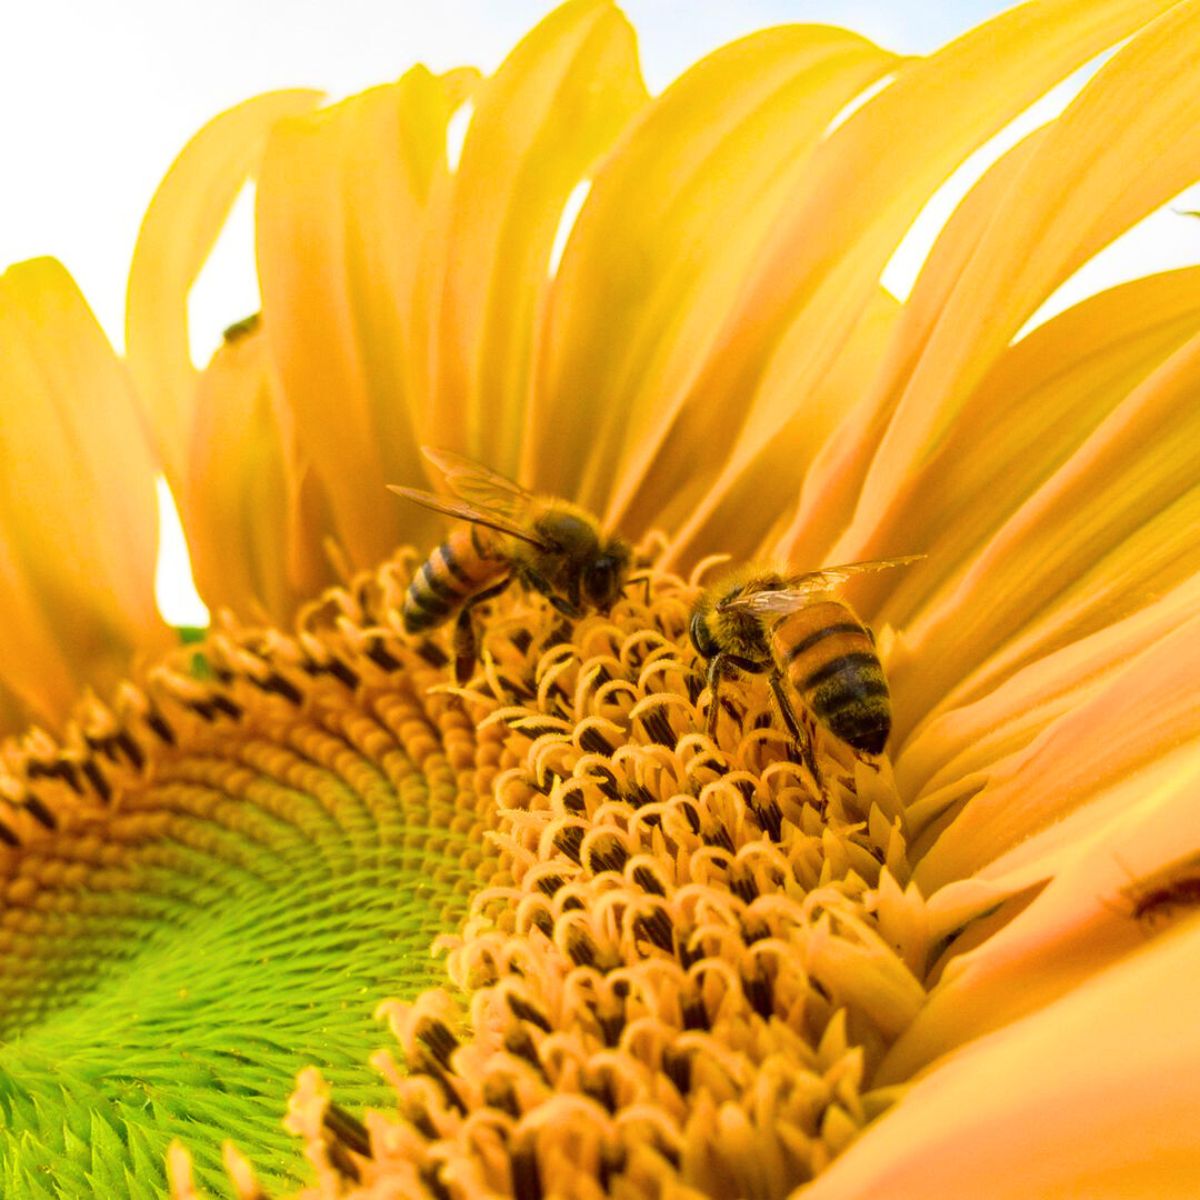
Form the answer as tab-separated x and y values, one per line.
688	959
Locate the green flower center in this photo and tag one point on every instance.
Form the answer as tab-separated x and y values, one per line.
680	961
214	894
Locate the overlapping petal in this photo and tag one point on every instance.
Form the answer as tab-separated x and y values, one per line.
1031	413
1108	533
339	232
822	263
1086	1097
1092	867
77	502
654	261
538	127
179	230
253	514
1095	171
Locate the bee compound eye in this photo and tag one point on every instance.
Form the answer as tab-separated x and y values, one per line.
599	579
701	638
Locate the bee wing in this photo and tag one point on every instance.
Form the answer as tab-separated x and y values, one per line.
467	512
798	590
478	485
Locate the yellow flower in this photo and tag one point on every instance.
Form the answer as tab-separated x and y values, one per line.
678	965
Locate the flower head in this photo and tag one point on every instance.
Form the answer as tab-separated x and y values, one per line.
696	944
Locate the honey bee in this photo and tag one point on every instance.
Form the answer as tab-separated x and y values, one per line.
811	645
545	544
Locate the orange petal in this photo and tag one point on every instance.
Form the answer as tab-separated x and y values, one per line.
756	487
1094	172
1083	921
556	104
179	229
1093	1096
241	497
655	257
967	740
1036	406
77	500
39	680
865	185
1135	717
831	487
1111	530
341	203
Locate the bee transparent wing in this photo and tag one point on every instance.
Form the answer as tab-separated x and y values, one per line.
798	590
479	485
467	512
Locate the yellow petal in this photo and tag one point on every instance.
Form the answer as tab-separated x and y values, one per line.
1109	532
831	487
1094	172
654	259
1093	1096
1138	715
179	229
1031	413
756	486
865	185
341	204
1082	922
38	680
556	104
77	500
241	497
964	741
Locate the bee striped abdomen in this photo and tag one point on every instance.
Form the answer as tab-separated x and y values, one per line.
832	664
464	564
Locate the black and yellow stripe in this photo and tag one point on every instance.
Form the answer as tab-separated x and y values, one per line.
466	563
831	663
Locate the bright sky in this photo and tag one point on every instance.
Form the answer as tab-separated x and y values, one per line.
99	98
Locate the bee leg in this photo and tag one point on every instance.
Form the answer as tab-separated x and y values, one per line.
465	642
561	604
644	578
716	666
795	728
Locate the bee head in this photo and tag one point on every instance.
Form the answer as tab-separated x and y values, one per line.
604	577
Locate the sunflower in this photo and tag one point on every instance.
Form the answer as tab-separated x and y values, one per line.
674	963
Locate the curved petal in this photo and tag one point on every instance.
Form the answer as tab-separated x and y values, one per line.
1032	412
38	678
178	232
1083	920
1093	1096
865	186
965	741
554	107
653	263
1108	533
242	494
1137	716
1098	169
77	500
1094	172
341	205
832	485
756	485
